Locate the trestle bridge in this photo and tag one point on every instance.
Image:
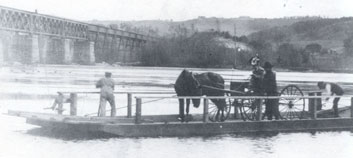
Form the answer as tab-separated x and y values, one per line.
30	38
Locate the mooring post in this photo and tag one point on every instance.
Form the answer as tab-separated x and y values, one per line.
352	107
73	104
129	101
205	110
138	111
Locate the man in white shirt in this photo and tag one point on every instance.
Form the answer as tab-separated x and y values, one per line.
107	94
332	89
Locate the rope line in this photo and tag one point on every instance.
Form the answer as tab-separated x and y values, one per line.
224	90
146	102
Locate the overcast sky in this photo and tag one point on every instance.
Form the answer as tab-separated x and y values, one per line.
182	9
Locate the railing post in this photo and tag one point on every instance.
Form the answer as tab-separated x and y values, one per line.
311	104
352	107
236	110
129	101
73	104
319	101
314	108
138	111
259	109
205	110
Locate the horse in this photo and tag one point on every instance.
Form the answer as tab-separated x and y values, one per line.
192	84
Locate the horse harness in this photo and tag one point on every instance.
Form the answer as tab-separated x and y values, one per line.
199	85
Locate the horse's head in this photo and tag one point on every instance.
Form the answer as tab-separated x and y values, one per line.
188	85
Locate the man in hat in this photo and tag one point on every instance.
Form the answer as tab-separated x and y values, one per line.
106	85
332	89
270	89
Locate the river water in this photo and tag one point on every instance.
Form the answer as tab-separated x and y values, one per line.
32	88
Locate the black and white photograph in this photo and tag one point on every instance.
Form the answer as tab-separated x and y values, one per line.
176	79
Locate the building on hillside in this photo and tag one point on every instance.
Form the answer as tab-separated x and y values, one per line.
327	60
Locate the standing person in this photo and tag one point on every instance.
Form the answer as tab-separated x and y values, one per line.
270	89
256	76
107	94
256	79
332	89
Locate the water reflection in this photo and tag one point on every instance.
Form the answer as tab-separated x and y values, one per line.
263	145
67	134
229	145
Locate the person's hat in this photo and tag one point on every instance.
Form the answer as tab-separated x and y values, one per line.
254	60
320	84
108	74
268	65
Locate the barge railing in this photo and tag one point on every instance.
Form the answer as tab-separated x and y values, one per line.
313	106
129	94
314	98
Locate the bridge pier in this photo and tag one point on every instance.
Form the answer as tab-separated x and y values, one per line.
6	41
68	51
84	52
43	49
92	58
1	52
35	58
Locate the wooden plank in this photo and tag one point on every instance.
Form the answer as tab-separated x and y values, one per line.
129	129
328	113
200	128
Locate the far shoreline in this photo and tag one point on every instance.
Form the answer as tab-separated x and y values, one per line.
248	68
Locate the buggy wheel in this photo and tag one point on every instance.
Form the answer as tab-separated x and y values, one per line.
219	114
249	110
291	108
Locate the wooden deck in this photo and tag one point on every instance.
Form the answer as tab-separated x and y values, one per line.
141	125
168	125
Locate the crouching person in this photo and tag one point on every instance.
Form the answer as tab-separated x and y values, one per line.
334	90
59	101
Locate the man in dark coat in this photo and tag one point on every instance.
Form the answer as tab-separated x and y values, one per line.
332	89
270	89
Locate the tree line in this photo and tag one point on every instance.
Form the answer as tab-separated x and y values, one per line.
197	50
185	48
